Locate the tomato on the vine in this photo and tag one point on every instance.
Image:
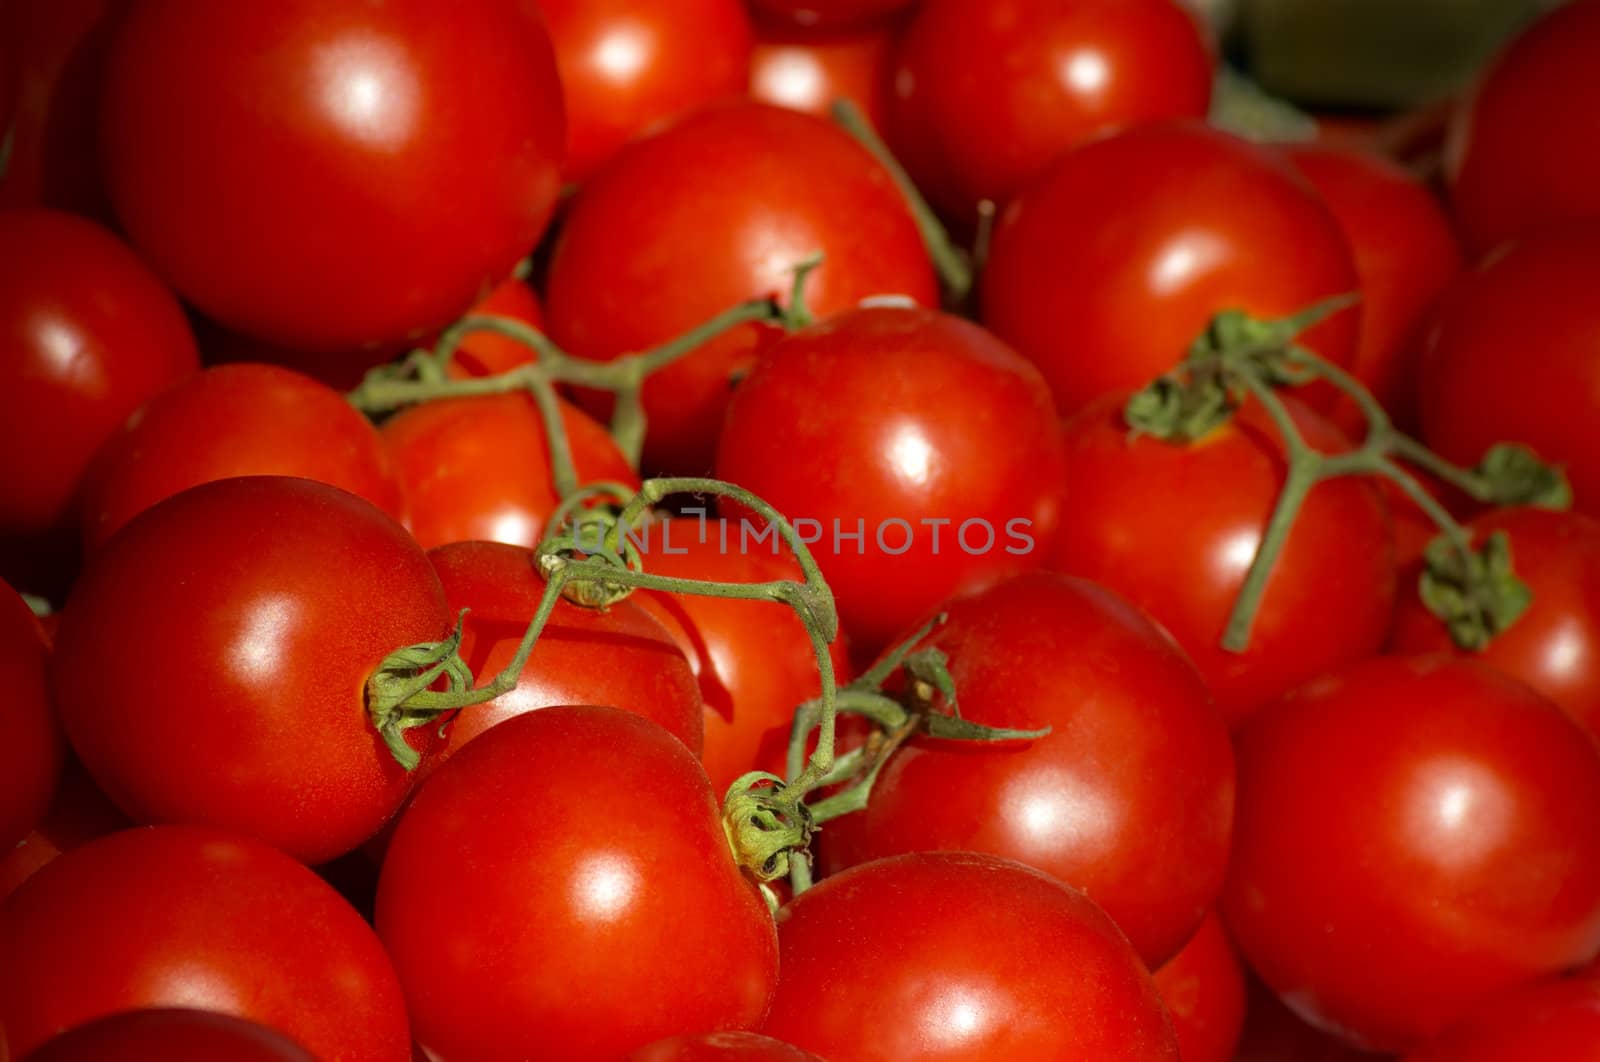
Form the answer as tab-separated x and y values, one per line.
171	1035
809	69
1203	987
489	353
30	756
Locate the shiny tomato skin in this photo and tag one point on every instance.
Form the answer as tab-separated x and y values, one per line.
170	1035
1414	835
1512	162
722	1047
785	186
892	414
956	956
1554	646
987	95
808	69
1514	356
479	467
372	170
490	354
1554	1020
822	14
87	335
620	656
1173	529
1406	254
198	917
629	66
752	659
30	756
589	903
1110	264
1203	987
78	813
1129	797
247	419
254	675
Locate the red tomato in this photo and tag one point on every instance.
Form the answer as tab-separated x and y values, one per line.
753	659
30	756
1413	835
1174	528
233	420
722	1047
1274	1033
1204	990
952	447
618	656
807	70
479	468
1514	160
1120	254
585	907
197	918
1129	798
239	699
371	170
659	242
628	66
1515	357
956	956
490	354
171	1036
1554	1020
986	95
1405	254
87	335
78	814
823	13
1554	646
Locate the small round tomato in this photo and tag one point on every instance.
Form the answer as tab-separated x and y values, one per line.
619	656
807	70
957	956
87	335
952	450
1413	836
372	170
1556	1019
562	887
1174	528
986	95
1554	646
171	1036
213	660
479	468
1512	358
1204	989
831	13
488	353
1105	270
78	813
722	1047
659	242
1514	160
628	66
1405	254
197	918
30	756
1130	795
233	420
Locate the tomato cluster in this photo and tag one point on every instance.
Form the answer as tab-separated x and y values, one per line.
788	529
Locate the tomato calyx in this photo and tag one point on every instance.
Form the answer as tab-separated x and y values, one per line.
1477	595
400	694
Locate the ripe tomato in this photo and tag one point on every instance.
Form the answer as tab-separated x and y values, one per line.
490	354
619	656
808	69
233	420
1554	646
831	13
1174	528
954	462
954	956
563	888
1129	798
87	335
1555	1019
1512	357
722	1047
1204	990
30	756
1122	251
628	66
197	918
986	95
785	186
79	812
1274	1033
1413	835
240	702
753	659
172	1036
479	468
1405	254
371	170
1513	163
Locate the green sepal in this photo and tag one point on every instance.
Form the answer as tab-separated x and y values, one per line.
1477	596
1512	474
